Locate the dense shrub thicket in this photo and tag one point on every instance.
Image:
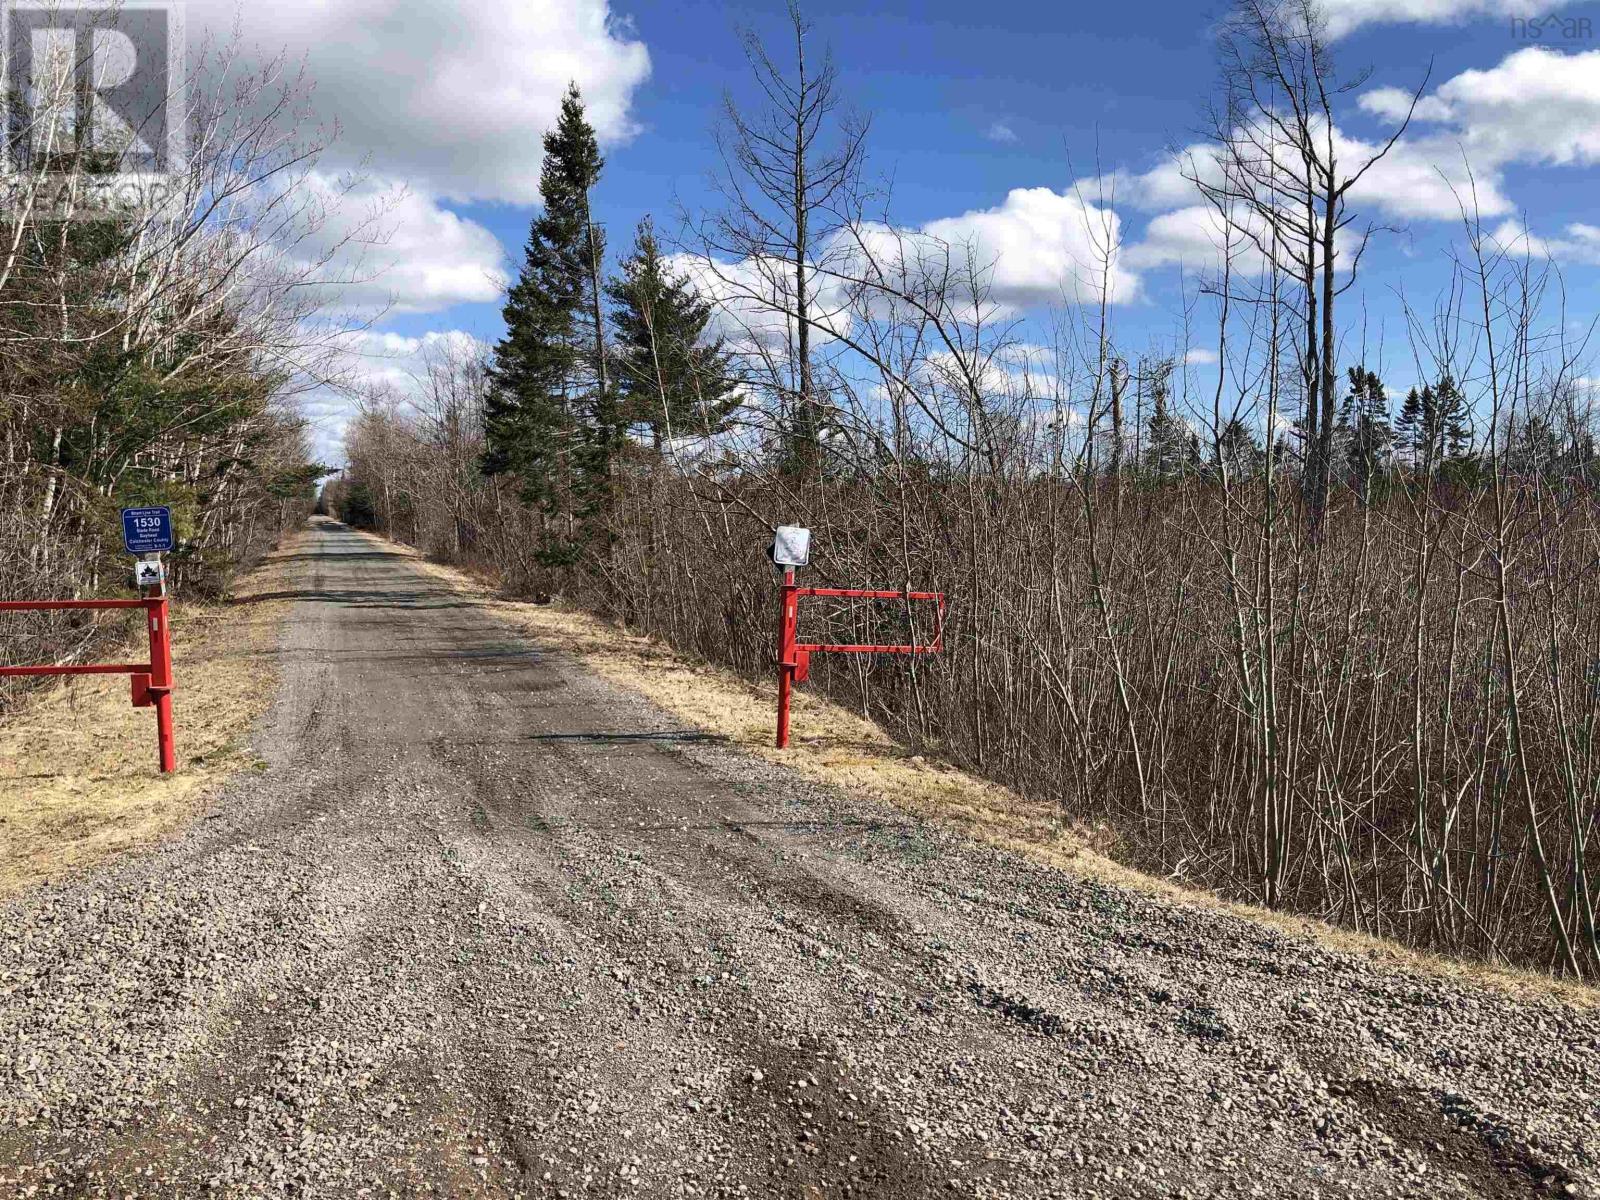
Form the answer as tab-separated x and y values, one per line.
1388	723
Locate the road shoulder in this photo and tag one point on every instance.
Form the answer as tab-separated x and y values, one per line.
79	783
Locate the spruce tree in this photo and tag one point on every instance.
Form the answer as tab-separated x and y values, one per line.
1411	427
1536	449
669	376
1435	426
548	377
1172	448
1238	450
1453	420
1364	433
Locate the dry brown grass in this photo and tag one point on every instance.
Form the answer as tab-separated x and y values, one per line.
78	777
835	746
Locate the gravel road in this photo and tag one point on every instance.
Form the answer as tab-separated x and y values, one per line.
486	926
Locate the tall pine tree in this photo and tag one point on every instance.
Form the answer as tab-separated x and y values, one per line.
669	376
549	419
1364	435
1172	449
1435	426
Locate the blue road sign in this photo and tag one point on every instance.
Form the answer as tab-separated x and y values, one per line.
147	530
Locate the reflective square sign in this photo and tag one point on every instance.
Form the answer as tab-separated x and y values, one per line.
791	546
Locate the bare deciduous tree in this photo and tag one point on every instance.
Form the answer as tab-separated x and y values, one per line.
790	180
1279	171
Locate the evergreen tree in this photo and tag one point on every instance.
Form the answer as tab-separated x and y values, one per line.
1238	449
548	414
670	377
1582	458
1363	433
1435	427
1172	449
1537	449
1453	420
1409	433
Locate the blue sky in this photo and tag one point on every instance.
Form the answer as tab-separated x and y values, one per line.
968	103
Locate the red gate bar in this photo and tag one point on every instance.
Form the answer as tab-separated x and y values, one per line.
152	681
92	669
794	656
932	647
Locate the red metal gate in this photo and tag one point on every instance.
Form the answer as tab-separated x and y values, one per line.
794	656
152	681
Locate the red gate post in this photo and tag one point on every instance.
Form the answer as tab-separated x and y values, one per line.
787	636
160	624
791	547
794	656
152	681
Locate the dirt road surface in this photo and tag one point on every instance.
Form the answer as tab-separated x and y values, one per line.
486	926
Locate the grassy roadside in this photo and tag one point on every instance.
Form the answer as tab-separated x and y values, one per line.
78	777
838	747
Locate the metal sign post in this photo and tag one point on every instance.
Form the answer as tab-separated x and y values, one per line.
791	548
790	668
147	532
155	690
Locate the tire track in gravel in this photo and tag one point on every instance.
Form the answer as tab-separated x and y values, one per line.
489	927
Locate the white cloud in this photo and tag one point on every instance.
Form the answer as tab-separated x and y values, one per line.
1583	240
327	415
1169	184
1193	235
1002	133
370	360
399	361
1346	16
1581	245
1419	178
1199	356
1044	247
1197	237
754	296
1536	106
1515	238
451	95
1394	104
436	103
437	259
1018	370
394	248
1037	248
1424	179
